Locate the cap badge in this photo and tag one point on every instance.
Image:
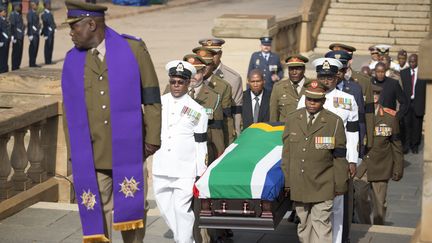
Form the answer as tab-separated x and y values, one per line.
209	42
180	67
202	53
338	56
314	84
326	65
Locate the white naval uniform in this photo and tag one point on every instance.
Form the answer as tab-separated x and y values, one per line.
350	119
179	160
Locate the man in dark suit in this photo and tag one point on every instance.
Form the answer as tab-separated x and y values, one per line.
268	62
48	30
4	40
17	32
256	100
33	27
415	90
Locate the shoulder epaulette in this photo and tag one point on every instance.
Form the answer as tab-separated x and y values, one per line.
131	37
390	111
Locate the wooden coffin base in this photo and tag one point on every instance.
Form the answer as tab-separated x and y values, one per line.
250	214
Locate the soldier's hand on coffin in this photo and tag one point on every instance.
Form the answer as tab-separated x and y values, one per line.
352	169
286	191
396	176
150	149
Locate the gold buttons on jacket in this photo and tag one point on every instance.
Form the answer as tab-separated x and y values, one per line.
106	122
102	92
100	78
104	107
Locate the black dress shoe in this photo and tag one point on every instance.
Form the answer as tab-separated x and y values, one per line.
35	66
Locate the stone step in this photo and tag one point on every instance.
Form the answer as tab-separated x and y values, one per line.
408	34
411	27
424	21
408	41
379	13
361	39
356	25
354	32
377	6
405	2
361	19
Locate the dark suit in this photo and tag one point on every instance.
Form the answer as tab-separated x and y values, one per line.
413	121
247	110
33	27
4	49
392	92
17	31
258	61
48	30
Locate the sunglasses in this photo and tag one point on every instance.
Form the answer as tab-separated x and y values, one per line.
179	82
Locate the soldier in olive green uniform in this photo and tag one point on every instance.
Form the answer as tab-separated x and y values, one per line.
314	163
286	93
223	88
365	82
97	99
211	101
383	161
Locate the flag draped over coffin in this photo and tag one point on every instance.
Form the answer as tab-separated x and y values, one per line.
248	169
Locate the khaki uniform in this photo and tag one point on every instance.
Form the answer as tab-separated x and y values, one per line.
223	88
283	100
315	167
98	110
383	160
365	82
235	80
211	102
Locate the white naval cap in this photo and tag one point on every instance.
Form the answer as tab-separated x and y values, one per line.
327	66
383	48
180	68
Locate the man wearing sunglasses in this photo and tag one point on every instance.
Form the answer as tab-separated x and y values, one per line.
183	153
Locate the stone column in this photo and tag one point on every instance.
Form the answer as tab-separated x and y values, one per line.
19	162
6	187
35	154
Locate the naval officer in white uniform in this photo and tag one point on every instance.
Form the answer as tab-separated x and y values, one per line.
345	106
183	152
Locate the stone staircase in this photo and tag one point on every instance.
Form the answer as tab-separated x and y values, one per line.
362	23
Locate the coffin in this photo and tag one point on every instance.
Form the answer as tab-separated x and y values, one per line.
243	188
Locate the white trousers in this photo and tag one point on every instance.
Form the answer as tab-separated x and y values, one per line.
174	198
337	218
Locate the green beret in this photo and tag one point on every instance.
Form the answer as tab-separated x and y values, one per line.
296	61
315	89
340	46
78	10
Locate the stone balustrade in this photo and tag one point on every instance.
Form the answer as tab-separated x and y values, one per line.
24	159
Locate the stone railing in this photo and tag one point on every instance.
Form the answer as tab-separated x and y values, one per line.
287	39
33	165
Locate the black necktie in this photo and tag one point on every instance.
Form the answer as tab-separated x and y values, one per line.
256	110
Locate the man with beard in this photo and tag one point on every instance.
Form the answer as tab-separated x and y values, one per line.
255	100
286	93
345	106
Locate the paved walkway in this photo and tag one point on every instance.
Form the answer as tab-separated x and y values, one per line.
170	33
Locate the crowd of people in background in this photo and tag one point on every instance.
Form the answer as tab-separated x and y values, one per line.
40	22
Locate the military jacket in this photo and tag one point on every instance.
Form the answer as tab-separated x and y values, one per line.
268	67
33	24
48	24
313	160
223	88
17	25
386	156
4	31
211	102
283	100
98	103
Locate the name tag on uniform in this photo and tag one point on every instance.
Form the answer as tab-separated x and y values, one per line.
324	142
257	62
194	116
383	130
209	113
344	103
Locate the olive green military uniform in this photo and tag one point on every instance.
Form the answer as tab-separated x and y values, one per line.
283	100
383	161
315	167
98	110
366	85
223	88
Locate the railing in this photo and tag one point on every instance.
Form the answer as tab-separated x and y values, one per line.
21	167
287	39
